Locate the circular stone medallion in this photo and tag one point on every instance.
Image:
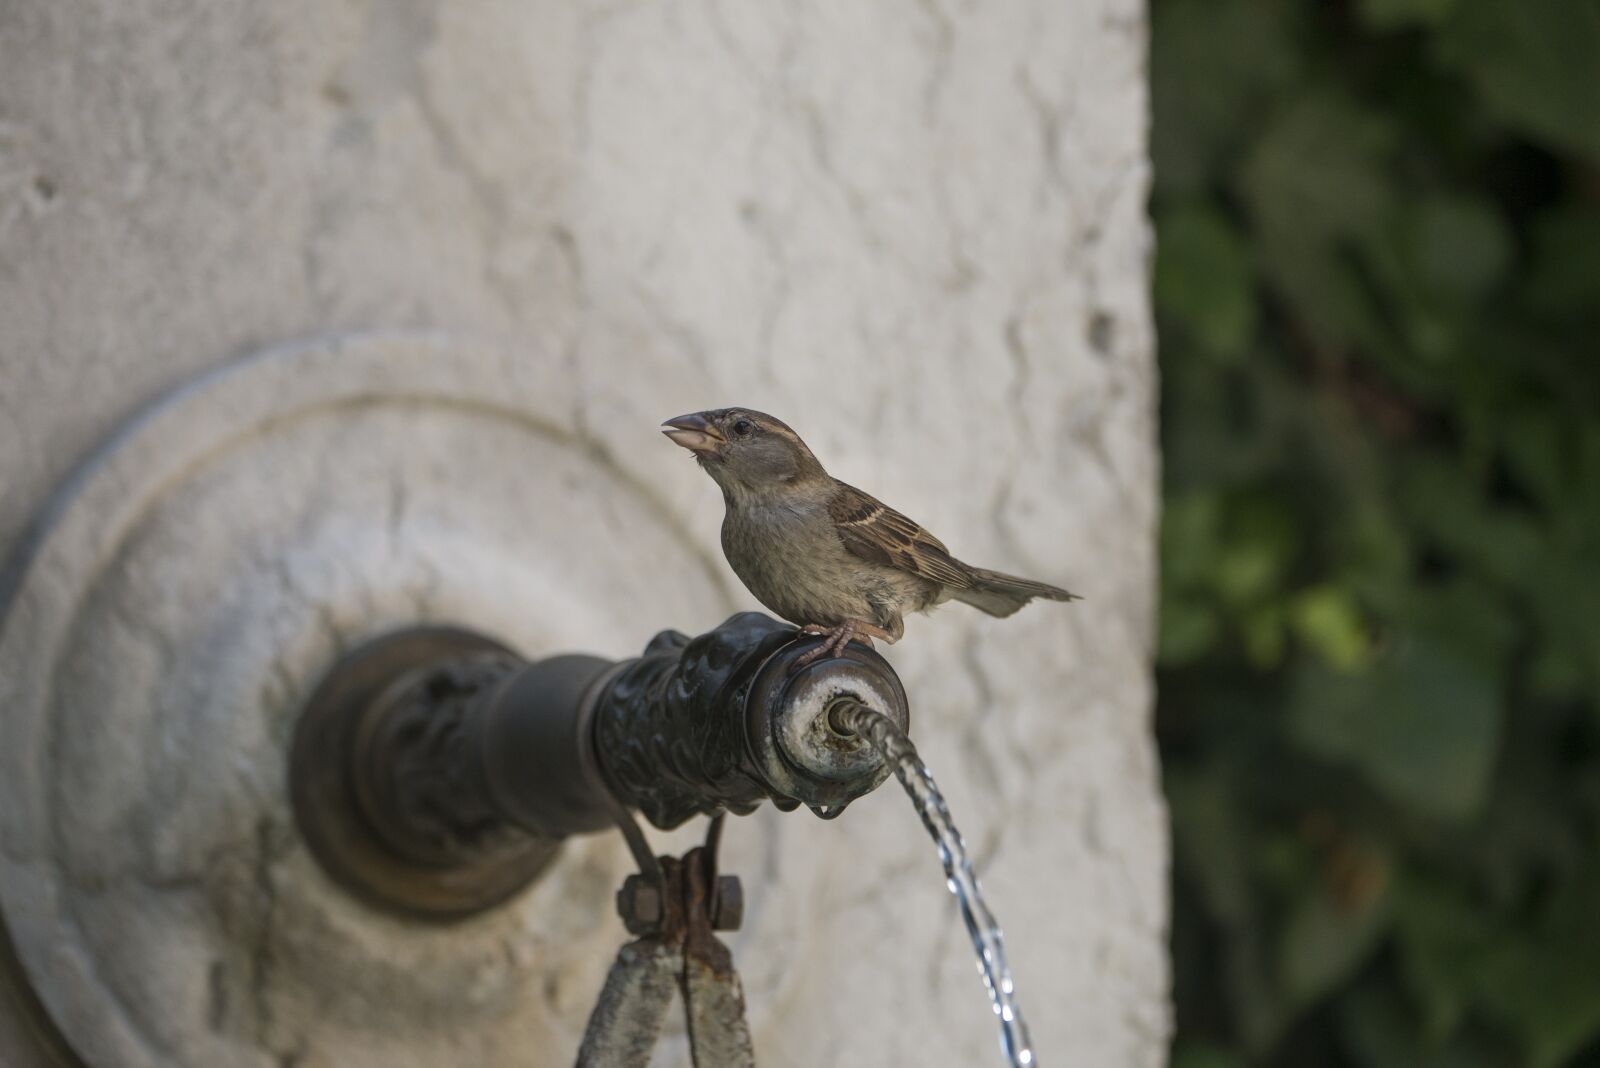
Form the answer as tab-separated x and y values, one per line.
161	630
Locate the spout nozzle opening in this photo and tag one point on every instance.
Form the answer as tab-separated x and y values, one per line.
808	728
840	716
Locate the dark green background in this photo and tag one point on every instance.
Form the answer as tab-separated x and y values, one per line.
1378	286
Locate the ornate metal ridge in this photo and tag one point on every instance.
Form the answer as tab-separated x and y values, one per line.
670	733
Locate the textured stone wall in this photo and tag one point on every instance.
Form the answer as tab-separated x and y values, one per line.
914	230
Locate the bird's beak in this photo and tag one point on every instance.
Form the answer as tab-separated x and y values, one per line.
695	433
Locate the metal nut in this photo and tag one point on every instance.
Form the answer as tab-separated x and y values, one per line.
727	909
639	905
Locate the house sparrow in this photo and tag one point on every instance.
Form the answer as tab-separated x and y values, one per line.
822	554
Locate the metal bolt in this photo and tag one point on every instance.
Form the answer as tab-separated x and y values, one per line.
639	905
727	908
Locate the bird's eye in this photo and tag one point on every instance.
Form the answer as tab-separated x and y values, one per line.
743	428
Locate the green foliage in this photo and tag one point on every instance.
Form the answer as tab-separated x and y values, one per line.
1378	287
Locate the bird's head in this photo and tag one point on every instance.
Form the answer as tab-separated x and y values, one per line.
743	450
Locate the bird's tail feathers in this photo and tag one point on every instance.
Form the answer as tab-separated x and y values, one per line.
1000	594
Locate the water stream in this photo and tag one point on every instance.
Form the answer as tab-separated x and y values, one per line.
851	717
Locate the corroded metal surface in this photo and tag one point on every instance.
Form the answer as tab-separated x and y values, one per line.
713	997
627	1020
677	949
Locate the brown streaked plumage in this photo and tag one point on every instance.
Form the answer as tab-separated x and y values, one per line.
822	554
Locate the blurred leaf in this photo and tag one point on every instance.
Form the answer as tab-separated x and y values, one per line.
1392	14
1534	451
1374	549
1316	188
1249	568
1382	1034
1566	267
1547	987
1203	281
1196	1055
1191	538
1450	509
1215	64
1325	940
1422	724
1535	63
1189	630
1316	171
1557	674
1565	593
1442	937
1260	540
1262	628
1212	844
1327	619
1462	247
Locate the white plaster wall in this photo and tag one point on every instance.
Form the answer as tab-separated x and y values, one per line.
914	230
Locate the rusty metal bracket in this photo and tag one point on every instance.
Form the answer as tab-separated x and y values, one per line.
677	948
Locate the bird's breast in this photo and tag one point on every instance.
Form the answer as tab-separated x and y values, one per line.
792	560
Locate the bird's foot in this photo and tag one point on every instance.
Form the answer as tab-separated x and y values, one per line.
835	639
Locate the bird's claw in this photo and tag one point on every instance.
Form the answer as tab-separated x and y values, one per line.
834	639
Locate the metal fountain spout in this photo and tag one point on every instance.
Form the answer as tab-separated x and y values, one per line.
434	771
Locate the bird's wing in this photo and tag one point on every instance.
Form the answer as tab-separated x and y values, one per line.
873	531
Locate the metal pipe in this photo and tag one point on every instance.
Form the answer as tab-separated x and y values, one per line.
434	771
